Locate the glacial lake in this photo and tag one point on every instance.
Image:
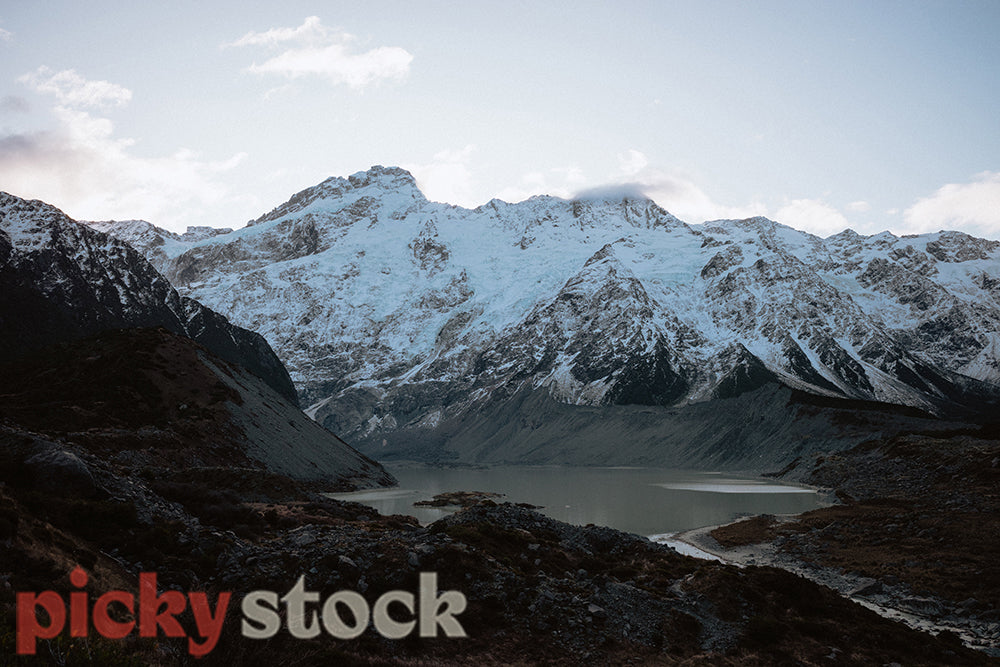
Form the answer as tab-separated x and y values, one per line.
645	501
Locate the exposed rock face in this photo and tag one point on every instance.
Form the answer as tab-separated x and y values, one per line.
60	280
398	314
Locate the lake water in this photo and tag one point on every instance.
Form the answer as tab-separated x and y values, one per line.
645	501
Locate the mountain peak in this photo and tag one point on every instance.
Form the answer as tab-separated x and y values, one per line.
14	208
64	280
758	221
378	179
386	178
134	232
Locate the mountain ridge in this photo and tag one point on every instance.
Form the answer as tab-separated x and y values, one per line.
97	349
148	397
63	280
401	311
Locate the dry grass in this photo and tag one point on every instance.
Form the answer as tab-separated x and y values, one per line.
754	530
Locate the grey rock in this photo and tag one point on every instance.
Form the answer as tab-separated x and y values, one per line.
60	472
596	611
922	606
866	588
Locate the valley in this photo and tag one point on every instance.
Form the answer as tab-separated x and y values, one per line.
143	431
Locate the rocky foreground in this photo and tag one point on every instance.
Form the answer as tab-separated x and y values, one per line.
916	535
538	591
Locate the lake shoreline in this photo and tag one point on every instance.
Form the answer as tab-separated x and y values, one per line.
911	537
894	603
539	591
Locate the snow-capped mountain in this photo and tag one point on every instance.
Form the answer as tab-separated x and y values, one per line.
395	314
155	242
60	280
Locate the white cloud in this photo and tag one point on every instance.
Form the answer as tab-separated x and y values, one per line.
313	49
312	31
680	195
812	215
632	162
278	92
617	191
571	176
672	190
562	182
447	177
5	35
973	207
73	90
336	64
81	166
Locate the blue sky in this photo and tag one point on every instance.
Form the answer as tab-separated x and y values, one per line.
821	115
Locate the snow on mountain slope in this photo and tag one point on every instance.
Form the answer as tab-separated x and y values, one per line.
937	292
391	310
158	245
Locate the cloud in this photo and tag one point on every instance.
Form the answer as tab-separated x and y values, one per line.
80	165
632	162
635	178
447	177
5	35
680	195
313	49
617	191
451	177
812	215
336	64
564	182
974	207
73	90
278	92
312	31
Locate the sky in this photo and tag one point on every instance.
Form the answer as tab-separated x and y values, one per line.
823	116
